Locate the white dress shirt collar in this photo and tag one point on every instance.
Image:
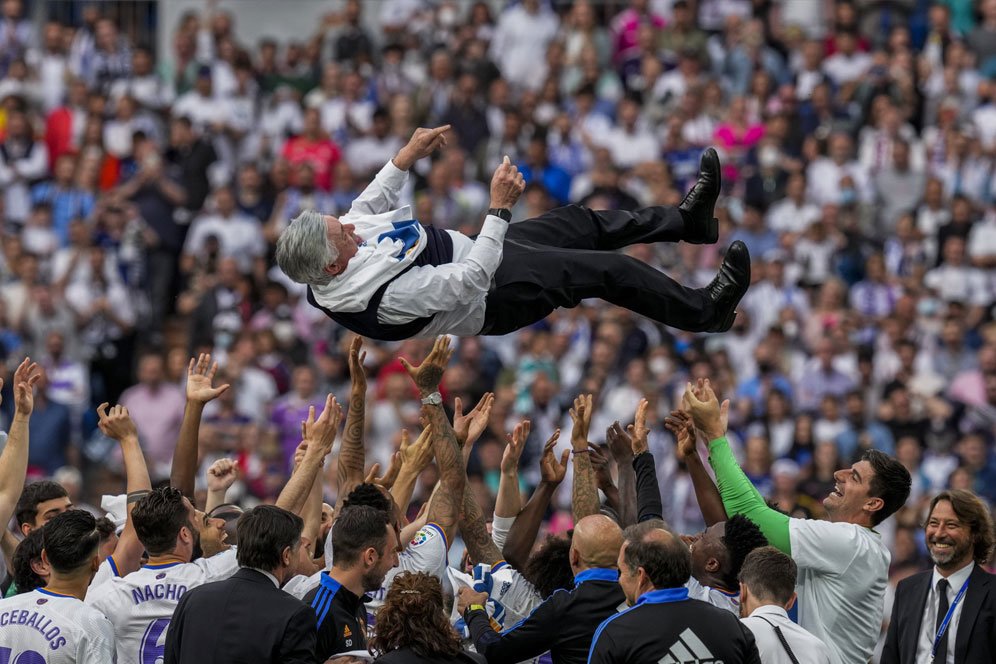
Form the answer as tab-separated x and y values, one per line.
770	610
956	579
267	575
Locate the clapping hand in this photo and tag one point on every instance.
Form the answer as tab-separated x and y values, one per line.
702	404
320	434
638	431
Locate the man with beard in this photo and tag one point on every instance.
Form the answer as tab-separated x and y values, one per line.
366	549
843	563
947	614
141	604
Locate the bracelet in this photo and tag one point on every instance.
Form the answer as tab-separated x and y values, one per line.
586	451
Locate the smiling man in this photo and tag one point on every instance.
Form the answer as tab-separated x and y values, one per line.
380	273
960	538
843	563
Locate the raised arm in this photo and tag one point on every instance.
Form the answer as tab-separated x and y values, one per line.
508	504
352	456
522	534
444	509
600	461
584	494
738	493
468	428
415	457
117	424
221	475
14	460
319	437
622	452
200	374
382	194
427	290
648	491
706	493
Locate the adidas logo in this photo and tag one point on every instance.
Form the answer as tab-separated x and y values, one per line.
688	649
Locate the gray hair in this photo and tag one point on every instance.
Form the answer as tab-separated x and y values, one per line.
304	251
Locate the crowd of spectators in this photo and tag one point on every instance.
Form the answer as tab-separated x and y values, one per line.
143	193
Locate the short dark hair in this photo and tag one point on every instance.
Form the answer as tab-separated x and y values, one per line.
549	569
742	536
264	532
667	564
158	518
971	510
891	483
369	495
70	540
106	528
358	528
34	494
28	551
770	574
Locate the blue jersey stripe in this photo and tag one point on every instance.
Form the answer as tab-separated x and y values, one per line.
598	632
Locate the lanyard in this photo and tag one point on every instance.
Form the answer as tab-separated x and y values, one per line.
947	618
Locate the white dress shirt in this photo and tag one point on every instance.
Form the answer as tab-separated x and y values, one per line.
807	648
928	628
455	293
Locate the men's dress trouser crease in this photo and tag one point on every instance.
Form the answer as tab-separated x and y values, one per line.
568	255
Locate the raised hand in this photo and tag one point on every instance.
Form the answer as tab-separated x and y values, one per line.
389	478
681	425
415	456
552	471
515	442
200	375
468	428
620	445
581	417
26	376
422	144
638	431
600	462
507	184
428	374
116	423
320	433
221	475
357	373
709	416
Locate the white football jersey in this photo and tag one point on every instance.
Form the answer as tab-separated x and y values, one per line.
141	604
426	552
42	627
716	597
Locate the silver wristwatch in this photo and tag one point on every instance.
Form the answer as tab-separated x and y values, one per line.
434	399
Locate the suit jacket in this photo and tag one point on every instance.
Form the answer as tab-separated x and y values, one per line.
976	637
242	620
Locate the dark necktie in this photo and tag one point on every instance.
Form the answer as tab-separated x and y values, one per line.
942	610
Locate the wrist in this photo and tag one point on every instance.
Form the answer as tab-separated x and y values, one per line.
21	416
195	403
402	160
714	434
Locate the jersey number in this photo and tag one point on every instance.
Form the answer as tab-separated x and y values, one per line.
26	657
154	642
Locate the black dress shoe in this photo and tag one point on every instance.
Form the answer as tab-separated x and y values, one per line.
699	204
729	286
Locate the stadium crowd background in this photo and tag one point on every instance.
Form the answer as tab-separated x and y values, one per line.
143	194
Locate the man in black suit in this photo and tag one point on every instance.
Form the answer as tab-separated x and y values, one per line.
960	538
247	618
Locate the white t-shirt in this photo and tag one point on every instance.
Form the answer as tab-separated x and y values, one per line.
843	571
718	598
56	629
141	604
426	552
509	590
807	648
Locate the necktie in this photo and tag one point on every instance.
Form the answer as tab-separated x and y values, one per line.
942	610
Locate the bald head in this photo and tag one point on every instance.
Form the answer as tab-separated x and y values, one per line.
596	543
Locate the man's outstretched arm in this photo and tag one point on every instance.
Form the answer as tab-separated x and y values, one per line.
648	491
382	194
14	460
584	492
200	374
352	456
706	493
738	493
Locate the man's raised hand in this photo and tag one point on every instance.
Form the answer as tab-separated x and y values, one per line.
638	431
26	376
116	423
320	433
507	184
357	374
553	471
581	417
709	416
468	428
200	375
515	442
620	445
428	374
422	143
390	477
415	456
221	475
681	425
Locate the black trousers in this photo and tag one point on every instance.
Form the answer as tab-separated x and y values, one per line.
569	254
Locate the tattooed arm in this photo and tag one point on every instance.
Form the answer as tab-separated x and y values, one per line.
584	496
351	453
